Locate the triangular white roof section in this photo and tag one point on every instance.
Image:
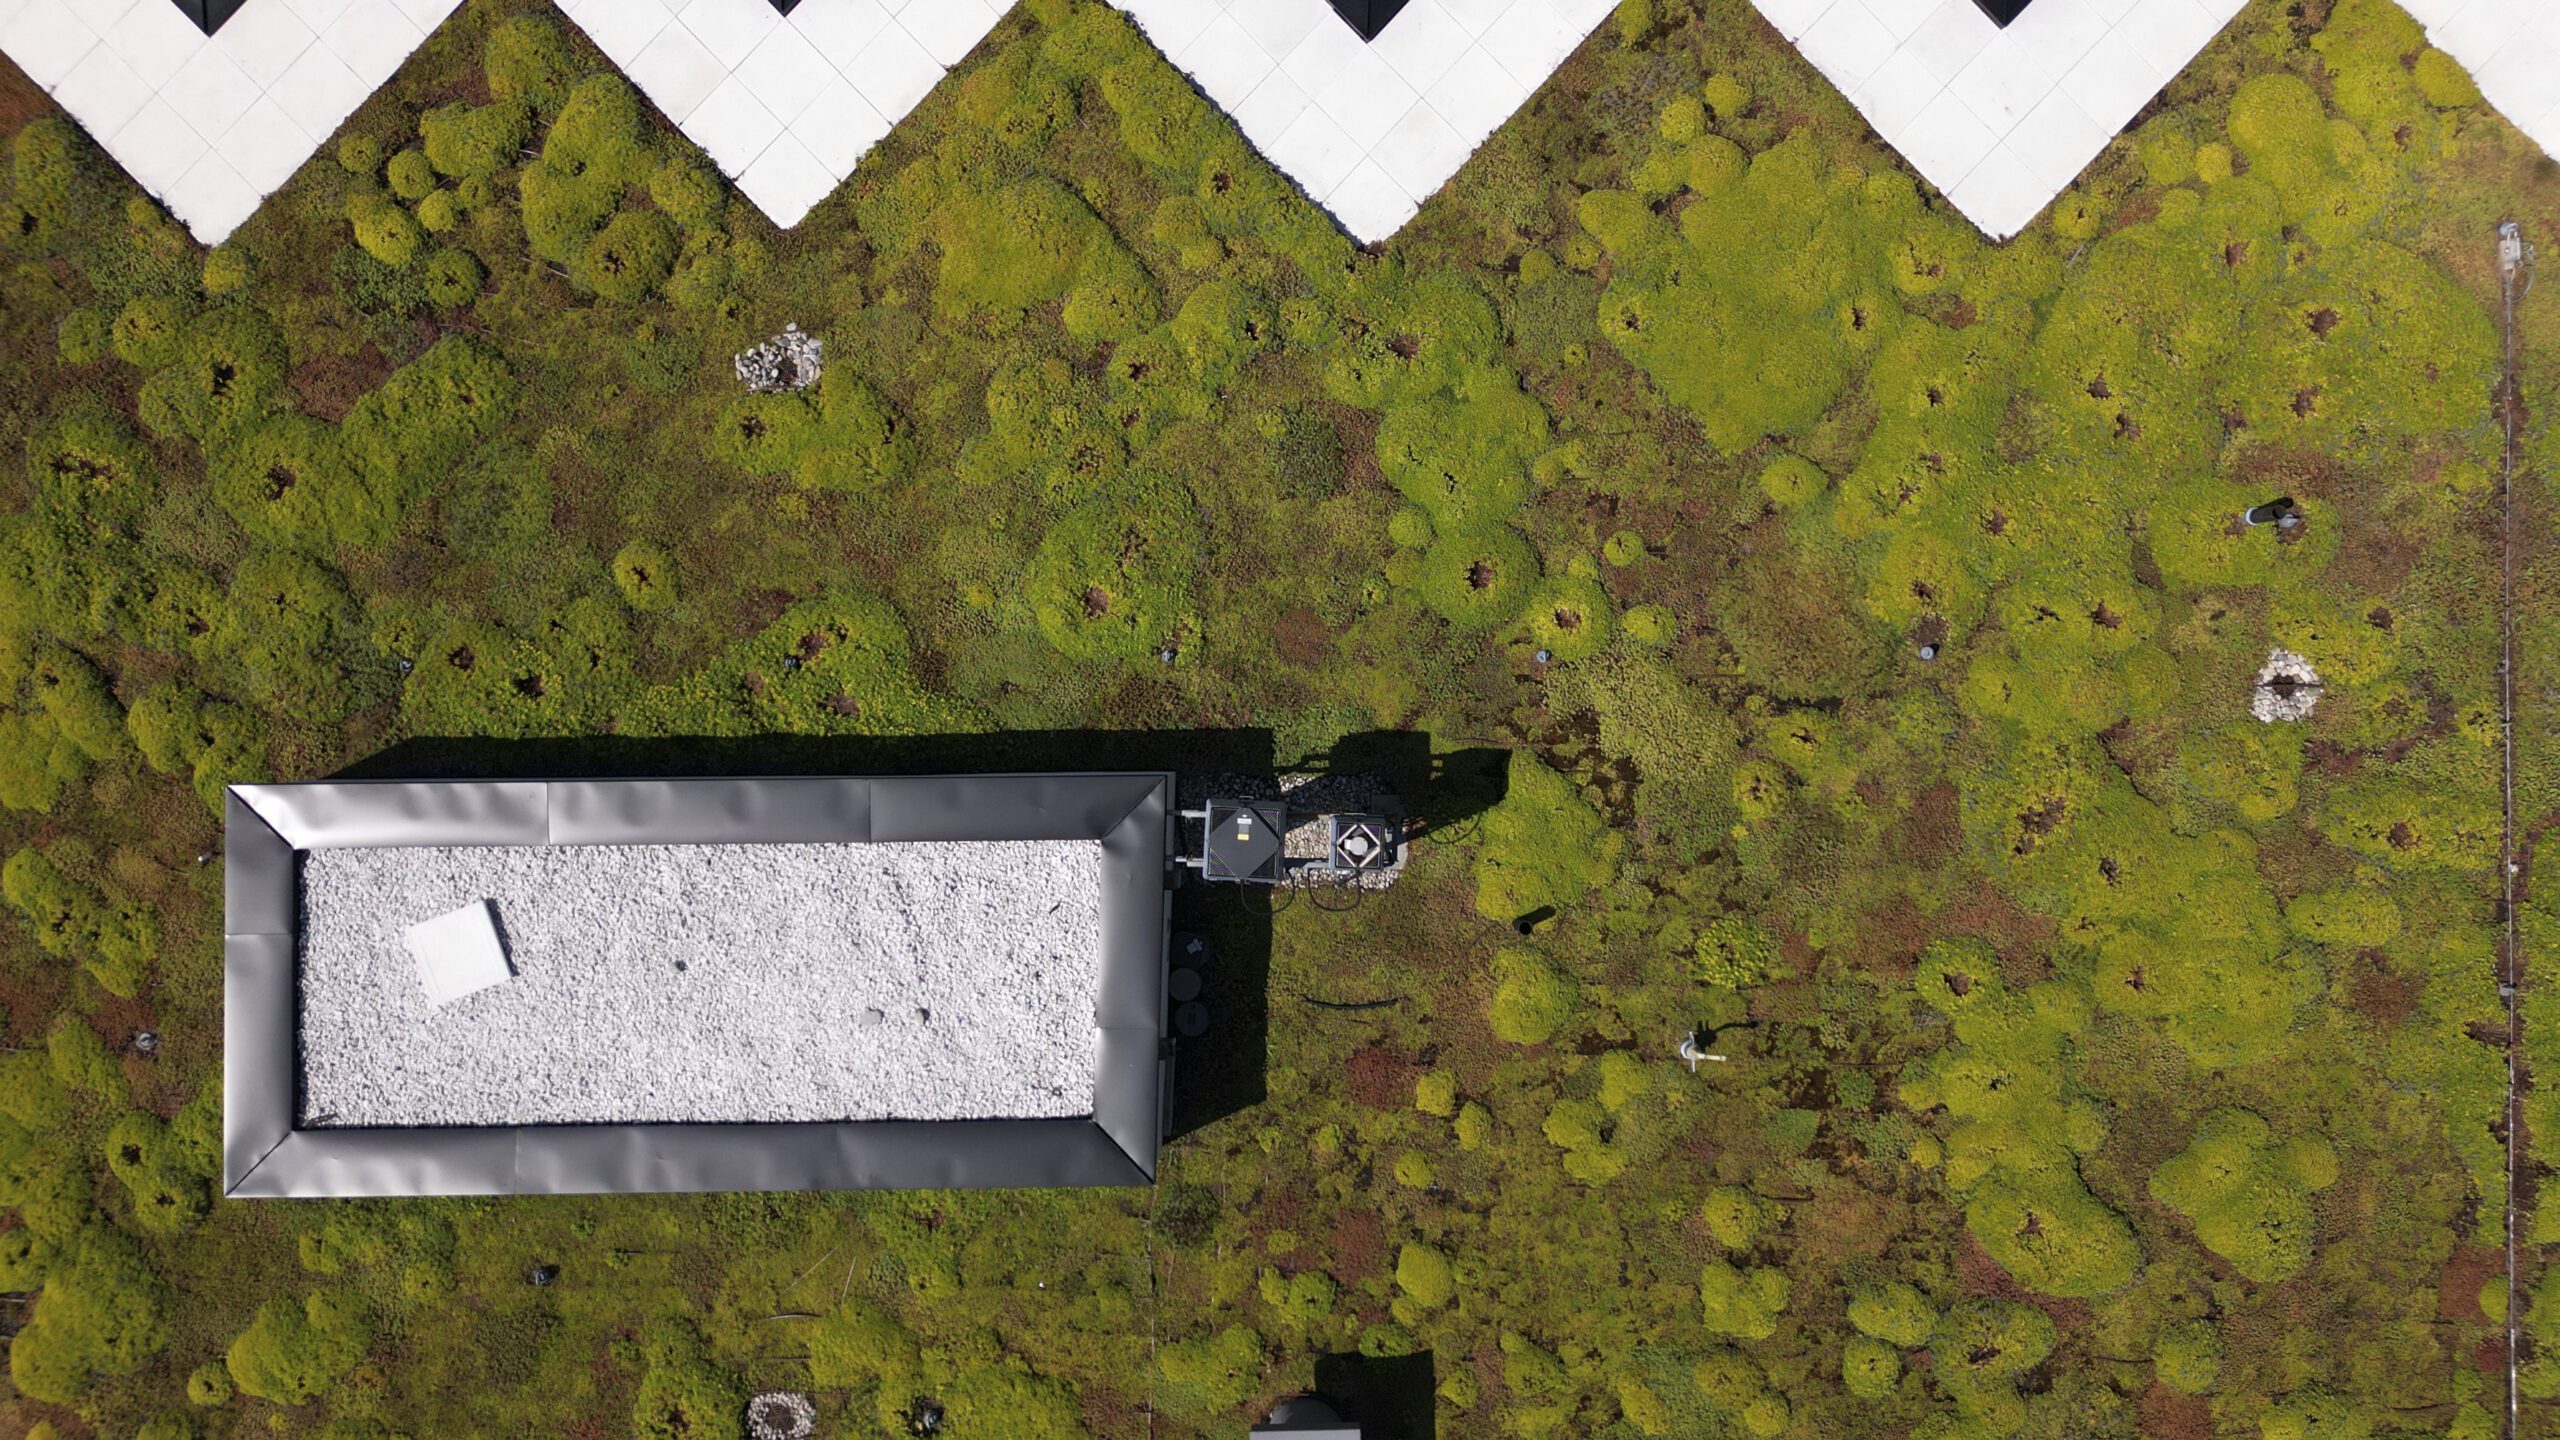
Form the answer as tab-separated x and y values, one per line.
1368	130
786	105
2001	121
212	125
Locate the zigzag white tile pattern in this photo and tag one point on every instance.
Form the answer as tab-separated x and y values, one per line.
213	125
2000	120
786	105
2512	49
1370	130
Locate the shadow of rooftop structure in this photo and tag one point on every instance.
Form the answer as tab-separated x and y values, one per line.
1390	1397
1215	1075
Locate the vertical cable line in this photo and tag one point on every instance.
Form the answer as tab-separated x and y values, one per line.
2514	270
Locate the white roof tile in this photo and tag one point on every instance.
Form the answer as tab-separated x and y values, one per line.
786	72
319	91
47	38
155	40
1370	202
950	29
1423	43
840	127
623	28
893	72
786	182
265	145
732	126
839	28
103	91
264	40
157	146
1847	44
729	29
676	72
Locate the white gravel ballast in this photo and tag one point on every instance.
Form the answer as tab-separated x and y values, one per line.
943	980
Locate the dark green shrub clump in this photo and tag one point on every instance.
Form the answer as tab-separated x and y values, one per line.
471	140
1478	578
180	732
1033	243
411	431
386	230
90	471
682	1396
1113	579
848	437
454	278
295	1350
228	371
167	1190
74	694
645	576
528	59
630	257
101	1313
595	150
113	939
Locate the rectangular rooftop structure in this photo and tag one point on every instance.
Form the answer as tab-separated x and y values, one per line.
900	982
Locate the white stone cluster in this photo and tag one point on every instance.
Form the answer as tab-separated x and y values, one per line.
792	360
2287	688
781	1415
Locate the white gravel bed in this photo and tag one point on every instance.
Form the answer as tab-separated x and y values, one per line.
916	981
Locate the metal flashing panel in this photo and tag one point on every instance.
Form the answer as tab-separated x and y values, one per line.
269	827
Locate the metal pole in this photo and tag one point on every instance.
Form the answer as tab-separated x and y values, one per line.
2512	274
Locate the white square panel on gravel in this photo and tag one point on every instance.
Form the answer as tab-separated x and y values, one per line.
458	953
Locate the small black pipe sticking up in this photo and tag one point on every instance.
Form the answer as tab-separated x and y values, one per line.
2281	512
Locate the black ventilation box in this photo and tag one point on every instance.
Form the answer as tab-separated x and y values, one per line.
1366	16
1242	840
2003	11
208	15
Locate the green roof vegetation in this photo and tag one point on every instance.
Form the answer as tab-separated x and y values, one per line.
2102	1062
